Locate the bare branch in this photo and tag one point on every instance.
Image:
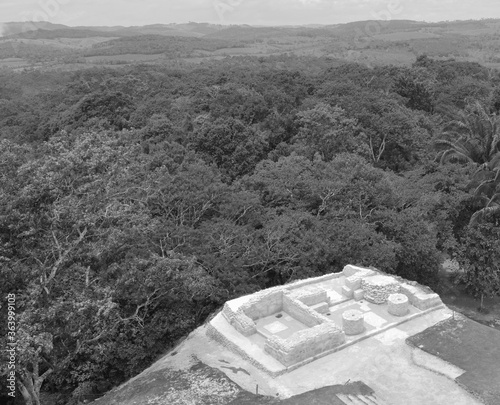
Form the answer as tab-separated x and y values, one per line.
63	255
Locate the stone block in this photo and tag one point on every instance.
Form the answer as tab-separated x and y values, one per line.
353	282
353	322
347	291
398	304
358	294
426	301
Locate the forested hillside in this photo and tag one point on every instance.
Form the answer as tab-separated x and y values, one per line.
135	201
46	46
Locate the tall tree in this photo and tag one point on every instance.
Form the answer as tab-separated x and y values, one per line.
473	135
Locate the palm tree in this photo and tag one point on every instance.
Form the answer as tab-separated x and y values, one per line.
474	136
488	190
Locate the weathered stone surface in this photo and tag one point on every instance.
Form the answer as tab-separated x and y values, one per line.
244	324
322	307
302	283
302	312
351	270
264	303
346	291
398	304
353	282
378	288
305	343
310	297
228	313
418	298
358	294
353	322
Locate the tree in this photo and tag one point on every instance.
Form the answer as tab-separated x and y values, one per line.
90	224
328	131
472	135
480	258
232	146
415	86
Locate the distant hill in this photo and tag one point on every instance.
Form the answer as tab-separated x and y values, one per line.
14	28
60	33
371	42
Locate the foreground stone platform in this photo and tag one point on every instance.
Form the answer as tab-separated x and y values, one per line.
283	328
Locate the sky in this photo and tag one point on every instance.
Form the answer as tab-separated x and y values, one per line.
254	12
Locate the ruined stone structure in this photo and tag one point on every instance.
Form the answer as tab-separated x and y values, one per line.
297	323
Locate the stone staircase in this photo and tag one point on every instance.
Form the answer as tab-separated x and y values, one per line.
359	399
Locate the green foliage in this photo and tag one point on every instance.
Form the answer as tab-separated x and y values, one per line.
480	258
472	135
232	146
416	89
328	131
135	201
157	44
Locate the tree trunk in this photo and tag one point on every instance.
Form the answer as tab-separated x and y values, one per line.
25	393
30	387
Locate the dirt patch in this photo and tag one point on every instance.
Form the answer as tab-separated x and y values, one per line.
205	385
198	385
470	346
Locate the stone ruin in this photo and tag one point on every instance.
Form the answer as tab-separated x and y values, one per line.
312	304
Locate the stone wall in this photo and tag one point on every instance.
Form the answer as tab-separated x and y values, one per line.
263	304
228	313
305	343
378	288
418	298
309	298
301	283
244	324
351	270
301	312
239	320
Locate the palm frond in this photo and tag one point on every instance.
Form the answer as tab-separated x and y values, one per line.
494	163
486	188
483	214
452	153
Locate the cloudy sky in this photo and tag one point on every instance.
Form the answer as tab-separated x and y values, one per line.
258	12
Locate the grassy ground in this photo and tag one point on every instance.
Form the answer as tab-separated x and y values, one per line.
471	346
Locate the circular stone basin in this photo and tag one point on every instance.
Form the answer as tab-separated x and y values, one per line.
353	322
398	304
